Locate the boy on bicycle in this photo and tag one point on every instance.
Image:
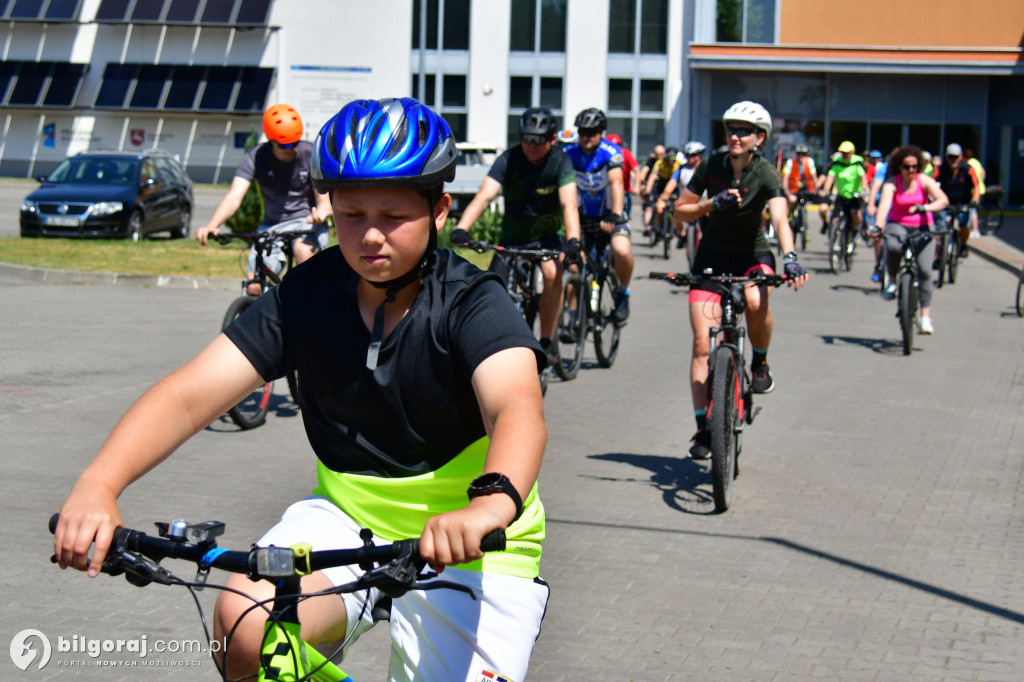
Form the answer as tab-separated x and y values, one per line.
740	182
281	167
420	400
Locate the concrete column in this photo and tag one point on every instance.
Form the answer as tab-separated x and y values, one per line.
586	57
488	72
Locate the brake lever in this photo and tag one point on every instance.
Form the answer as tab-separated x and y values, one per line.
442	584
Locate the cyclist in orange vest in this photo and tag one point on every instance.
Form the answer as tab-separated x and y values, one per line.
799	173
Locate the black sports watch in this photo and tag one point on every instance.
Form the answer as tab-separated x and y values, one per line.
491	483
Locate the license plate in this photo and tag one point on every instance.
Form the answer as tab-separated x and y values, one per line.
61	221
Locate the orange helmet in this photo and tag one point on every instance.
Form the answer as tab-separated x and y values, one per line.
282	124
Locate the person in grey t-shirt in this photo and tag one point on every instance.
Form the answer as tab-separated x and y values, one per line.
281	166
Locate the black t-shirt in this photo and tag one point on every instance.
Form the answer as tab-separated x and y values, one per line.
417	410
740	231
959	185
532	206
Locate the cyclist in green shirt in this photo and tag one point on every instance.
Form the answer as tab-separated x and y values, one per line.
848	176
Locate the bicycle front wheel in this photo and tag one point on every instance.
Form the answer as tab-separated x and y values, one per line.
725	389
666	234
1020	294
252	411
906	312
606	331
572	327
944	242
801	214
953	258
835	246
692	233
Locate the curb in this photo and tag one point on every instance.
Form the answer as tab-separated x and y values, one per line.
1003	257
118	279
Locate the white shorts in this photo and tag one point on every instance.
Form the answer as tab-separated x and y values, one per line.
443	634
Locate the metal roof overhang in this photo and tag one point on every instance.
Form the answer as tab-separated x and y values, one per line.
881	60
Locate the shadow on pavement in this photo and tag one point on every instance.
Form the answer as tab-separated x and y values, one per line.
956	597
281	406
881	346
685	485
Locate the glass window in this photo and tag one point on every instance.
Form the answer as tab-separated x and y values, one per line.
520	92
112	10
7	72
622	26
513	131
927	136
652	95
117	79
431	24
802	97
63	85
552	25
551	92
3	9
220	86
62	9
854	131
456	25
620	94
654	27
185	82
31	77
149	86
649	132
453	91
729	21
253	12
622	126
966	135
522	25
26	9
183	11
147	11
218	11
457	122
886	136
430	86
254	83
760	21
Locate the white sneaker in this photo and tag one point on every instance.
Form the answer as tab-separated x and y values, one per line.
890	291
926	326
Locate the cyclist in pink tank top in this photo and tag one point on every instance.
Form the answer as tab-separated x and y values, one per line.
908	197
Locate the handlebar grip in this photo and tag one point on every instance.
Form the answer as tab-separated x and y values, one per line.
53	522
493	541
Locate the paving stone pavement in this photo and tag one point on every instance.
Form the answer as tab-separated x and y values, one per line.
876	532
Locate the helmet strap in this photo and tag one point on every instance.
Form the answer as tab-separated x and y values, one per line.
393	286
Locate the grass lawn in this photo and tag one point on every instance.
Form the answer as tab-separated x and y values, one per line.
183	257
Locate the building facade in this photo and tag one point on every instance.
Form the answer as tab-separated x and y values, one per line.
193	76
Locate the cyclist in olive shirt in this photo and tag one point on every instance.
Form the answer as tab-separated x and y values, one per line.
740	182
539	186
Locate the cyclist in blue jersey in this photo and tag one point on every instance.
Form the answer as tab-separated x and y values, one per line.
599	179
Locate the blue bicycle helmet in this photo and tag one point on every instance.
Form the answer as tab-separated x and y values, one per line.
384	142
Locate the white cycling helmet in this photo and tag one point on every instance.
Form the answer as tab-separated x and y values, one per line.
693	148
750	112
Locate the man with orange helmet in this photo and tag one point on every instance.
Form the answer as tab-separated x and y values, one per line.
281	167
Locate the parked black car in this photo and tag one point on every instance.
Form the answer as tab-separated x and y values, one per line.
111	194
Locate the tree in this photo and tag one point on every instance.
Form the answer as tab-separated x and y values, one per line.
250	213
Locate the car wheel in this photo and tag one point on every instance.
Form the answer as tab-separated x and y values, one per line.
184	223
135	227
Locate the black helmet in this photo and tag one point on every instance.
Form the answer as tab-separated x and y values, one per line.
537	122
593	119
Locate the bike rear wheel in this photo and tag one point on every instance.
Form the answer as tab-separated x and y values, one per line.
990	218
572	327
606	331
692	233
722	419
908	306
252	410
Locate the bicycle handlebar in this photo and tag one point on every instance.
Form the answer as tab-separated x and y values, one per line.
138	556
688	279
541	254
289	229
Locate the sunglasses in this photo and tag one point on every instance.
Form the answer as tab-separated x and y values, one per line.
739	132
535	140
952	157
279	145
589	132
908	166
